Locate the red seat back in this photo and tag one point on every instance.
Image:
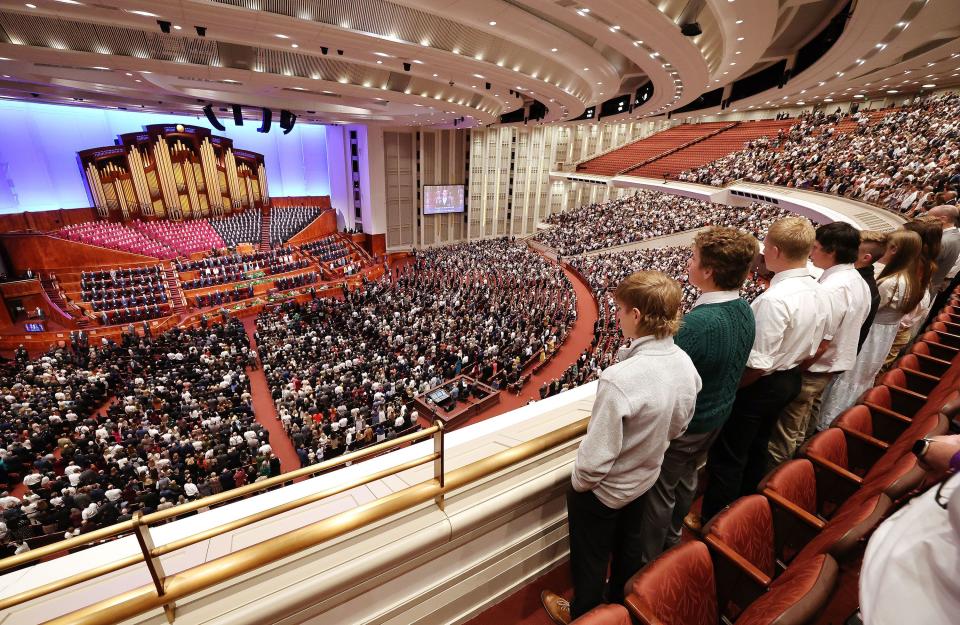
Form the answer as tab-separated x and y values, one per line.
831	445
856	418
879	395
796	481
678	588
746	526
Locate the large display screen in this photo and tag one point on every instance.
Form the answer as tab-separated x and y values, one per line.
443	199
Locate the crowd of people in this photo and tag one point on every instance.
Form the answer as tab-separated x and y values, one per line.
243	227
643	215
904	160
123	288
223	268
181	427
288	221
343	373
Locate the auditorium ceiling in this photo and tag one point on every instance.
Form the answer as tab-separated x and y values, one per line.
469	63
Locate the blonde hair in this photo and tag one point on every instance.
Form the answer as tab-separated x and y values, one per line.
657	297
874	241
793	236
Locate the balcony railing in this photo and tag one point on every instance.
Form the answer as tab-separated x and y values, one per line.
166	590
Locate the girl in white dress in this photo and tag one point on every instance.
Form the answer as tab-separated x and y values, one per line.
900	292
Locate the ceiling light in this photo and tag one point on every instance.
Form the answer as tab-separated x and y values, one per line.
418	61
553	49
738	52
143	71
294	45
828	99
435	75
492	23
585	10
859	95
928	86
175	27
614	28
586	69
740	38
101	67
144	13
279	36
68	1
30	6
379	62
739	22
892	91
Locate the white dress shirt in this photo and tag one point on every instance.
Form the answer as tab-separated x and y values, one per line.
849	298
791	319
716	297
909	572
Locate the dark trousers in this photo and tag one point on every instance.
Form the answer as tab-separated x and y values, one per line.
596	533
737	461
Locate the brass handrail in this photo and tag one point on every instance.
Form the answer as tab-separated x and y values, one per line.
212	500
140	600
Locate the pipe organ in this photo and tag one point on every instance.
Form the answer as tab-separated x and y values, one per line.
173	172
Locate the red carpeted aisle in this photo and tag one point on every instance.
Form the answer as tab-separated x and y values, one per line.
579	339
266	411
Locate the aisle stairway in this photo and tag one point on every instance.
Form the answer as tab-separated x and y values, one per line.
265	228
72	310
177	299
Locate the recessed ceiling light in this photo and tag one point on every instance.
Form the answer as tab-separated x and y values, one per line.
739	21
892	91
435	75
176	27
928	86
30	6
553	49
740	38
68	1
492	23
585	10
418	61
859	95
144	13
379	62
101	67
614	28
279	36
294	45
586	69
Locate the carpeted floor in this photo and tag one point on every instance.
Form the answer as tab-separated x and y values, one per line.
266	411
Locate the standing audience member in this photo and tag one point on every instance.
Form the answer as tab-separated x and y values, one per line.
834	250
717	334
900	292
791	318
931	234
873	245
643	402
949	255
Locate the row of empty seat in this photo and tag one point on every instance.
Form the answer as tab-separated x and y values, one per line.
711	148
639	151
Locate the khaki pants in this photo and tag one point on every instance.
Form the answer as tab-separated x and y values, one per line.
797	418
903	337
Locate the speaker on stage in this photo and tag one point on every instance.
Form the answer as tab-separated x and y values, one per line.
237	115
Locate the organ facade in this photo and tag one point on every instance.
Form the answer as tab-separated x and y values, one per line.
173	171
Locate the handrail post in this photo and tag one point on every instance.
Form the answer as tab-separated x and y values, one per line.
438	473
153	563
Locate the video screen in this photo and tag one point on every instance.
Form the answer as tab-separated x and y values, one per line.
442	199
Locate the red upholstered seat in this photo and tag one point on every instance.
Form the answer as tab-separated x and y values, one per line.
938	347
607	614
894	399
910	380
678	588
849	528
925	360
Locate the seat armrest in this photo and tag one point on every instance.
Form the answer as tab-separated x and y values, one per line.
753	573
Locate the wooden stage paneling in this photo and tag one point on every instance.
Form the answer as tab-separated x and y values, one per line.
42	251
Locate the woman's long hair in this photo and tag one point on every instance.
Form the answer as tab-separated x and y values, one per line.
907	262
931	235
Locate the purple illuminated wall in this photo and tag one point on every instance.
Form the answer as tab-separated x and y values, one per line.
39	145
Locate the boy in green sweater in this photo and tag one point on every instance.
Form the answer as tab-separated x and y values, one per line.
717	334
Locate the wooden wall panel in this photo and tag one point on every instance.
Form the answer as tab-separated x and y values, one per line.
320	227
45	221
44	252
323	201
